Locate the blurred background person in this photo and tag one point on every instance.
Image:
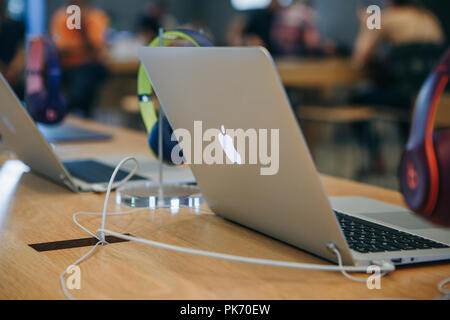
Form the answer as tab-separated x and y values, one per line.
257	29
157	10
398	57
284	30
82	54
295	31
409	33
235	30
155	16
12	50
147	29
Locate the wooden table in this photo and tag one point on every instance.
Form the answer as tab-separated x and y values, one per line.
34	210
326	73
294	72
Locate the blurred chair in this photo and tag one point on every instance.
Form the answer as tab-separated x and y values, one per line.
396	82
402	73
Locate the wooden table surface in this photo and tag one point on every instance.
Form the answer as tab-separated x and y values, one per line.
34	210
322	73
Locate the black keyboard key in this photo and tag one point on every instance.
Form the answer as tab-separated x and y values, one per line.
438	245
364	236
95	172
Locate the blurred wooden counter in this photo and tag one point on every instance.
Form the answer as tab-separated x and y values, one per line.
294	72
34	210
326	73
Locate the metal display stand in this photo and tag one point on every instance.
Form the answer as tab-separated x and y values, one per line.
148	194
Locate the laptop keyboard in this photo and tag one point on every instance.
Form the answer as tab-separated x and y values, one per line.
365	237
95	172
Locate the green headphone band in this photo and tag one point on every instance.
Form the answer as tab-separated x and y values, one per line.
144	87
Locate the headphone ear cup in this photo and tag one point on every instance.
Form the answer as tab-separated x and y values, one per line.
168	144
414	180
56	108
47	109
441	214
36	105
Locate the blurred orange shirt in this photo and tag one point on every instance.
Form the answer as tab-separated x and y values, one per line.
95	22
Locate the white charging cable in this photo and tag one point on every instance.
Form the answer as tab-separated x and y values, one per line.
100	236
273	263
445	292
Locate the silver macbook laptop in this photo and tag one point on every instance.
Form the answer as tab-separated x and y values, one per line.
19	135
239	88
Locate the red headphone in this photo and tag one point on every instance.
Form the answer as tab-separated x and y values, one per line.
425	165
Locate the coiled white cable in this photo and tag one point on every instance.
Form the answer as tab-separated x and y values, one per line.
100	236
110	186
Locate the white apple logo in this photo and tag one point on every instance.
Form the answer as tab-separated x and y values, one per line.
228	147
